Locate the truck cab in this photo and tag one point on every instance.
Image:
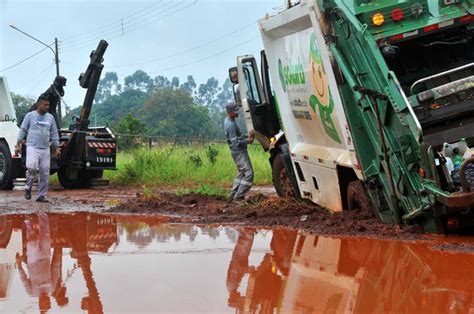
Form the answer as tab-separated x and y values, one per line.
373	104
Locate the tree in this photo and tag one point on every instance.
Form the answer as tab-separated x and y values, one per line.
175	82
22	105
207	92
161	82
189	85
131	126
107	86
172	112
139	81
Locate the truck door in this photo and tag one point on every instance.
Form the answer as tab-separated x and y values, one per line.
260	114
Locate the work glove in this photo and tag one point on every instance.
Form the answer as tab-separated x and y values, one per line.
56	152
251	136
17	150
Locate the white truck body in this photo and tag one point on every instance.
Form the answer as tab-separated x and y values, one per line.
8	124
308	100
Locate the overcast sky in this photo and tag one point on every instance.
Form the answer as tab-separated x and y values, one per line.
161	37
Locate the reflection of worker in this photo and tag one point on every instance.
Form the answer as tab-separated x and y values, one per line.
39	128
239	266
238	147
264	283
54	94
44	277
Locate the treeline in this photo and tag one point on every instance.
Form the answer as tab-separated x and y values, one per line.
161	106
158	106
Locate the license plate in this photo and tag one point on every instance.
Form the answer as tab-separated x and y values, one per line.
104	160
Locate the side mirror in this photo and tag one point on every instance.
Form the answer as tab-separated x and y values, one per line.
236	91
233	75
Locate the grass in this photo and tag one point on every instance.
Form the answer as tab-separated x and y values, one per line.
187	168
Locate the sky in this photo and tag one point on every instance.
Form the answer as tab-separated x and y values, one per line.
161	37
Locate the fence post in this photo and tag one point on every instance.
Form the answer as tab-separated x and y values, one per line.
150	143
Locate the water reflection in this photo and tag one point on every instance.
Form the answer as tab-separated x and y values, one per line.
135	264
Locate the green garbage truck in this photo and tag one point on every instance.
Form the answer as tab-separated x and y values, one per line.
368	105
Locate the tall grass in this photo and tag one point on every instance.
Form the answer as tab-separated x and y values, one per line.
187	168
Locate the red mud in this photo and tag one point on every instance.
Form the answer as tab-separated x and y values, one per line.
264	211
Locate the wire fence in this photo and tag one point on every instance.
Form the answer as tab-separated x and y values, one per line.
126	141
149	141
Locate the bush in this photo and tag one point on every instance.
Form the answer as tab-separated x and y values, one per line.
170	166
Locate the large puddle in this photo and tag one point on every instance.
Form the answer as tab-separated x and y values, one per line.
98	263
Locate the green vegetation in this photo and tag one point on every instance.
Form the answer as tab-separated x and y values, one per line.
166	107
176	166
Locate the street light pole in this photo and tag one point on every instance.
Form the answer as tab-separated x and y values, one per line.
56	61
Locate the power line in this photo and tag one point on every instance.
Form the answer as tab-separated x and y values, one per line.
187	50
94	36
42	73
113	24
111	35
41	80
24	60
205	58
138	24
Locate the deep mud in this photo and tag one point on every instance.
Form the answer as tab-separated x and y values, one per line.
264	211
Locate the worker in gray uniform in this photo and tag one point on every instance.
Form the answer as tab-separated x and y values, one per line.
238	147
39	128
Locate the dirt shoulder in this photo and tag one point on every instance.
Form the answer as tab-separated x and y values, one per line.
65	201
263	211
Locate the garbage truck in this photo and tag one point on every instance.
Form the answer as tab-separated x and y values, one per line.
368	105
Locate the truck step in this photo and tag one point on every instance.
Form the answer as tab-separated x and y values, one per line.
19	184
99	182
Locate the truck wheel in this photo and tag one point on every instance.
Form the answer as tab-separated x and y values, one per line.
82	181
281	179
6	182
357	198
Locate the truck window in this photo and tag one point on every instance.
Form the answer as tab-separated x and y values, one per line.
253	95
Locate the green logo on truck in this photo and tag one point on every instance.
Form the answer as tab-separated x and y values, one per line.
291	74
323	99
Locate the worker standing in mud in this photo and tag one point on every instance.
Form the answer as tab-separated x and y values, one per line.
238	147
39	128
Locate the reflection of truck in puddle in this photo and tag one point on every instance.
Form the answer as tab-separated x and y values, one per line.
323	275
10	244
82	233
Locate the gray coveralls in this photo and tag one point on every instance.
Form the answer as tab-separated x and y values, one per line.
39	130
238	148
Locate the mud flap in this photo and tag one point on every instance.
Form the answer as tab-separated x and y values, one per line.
289	169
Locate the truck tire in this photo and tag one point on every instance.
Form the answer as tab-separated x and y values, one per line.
357	198
6	171
82	181
280	178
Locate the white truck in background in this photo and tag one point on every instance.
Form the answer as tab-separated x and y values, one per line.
10	166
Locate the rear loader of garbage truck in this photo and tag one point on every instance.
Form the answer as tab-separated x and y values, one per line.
376	100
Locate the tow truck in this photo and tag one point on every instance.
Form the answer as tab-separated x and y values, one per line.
85	151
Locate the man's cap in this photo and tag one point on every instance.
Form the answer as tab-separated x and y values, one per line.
232	107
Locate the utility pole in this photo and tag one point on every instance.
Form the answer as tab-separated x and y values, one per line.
56	60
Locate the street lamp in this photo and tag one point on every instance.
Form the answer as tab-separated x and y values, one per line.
56	60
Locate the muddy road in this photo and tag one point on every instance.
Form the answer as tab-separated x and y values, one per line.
263	209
